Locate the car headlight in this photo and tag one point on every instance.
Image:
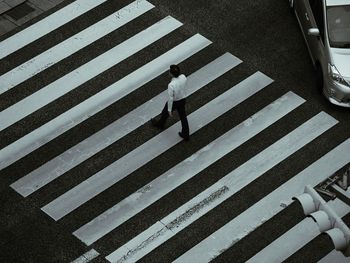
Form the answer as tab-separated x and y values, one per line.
335	75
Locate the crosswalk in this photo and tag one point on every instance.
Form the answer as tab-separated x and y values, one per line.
118	129
73	44
217	193
98	102
269	206
122	168
46	25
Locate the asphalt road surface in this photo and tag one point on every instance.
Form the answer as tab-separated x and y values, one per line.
83	171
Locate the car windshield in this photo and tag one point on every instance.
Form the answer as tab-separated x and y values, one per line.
338	18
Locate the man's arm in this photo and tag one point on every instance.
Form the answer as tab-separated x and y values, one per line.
171	98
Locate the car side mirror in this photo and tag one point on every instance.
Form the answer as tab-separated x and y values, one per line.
313	32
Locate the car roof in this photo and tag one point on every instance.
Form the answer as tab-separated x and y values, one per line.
337	2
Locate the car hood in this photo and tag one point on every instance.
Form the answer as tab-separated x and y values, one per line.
341	60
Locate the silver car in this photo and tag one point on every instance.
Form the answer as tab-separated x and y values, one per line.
326	28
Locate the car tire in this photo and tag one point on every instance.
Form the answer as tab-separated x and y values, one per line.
319	79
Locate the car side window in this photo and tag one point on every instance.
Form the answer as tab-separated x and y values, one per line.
317	10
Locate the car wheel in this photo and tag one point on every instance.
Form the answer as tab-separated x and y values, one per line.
319	78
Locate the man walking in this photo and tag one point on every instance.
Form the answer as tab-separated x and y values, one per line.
176	100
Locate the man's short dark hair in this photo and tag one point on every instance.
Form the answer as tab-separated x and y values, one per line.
175	70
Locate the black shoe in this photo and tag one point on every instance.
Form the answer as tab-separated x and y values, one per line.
156	124
186	138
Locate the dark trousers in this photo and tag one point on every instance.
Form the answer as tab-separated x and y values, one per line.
179	106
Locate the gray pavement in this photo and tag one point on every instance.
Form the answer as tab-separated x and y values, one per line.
15	13
263	35
6	5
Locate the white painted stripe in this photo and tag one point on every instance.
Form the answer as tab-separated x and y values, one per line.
46	25
72	44
224	188
102	180
183	171
307	229
113	132
334	257
100	101
295	238
87	257
87	71
269	206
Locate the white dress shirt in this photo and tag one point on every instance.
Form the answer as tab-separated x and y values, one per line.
176	90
